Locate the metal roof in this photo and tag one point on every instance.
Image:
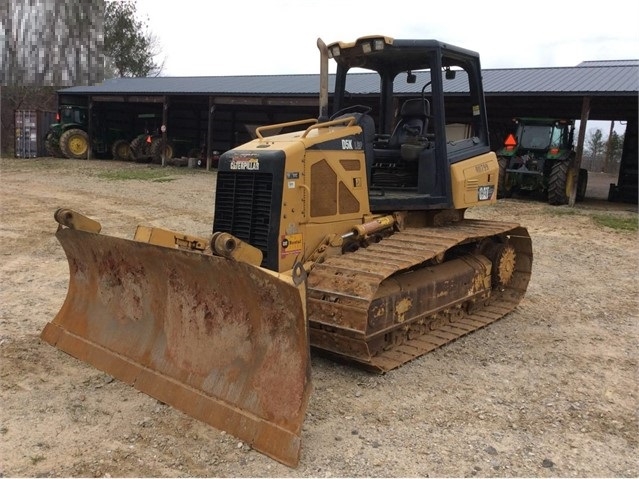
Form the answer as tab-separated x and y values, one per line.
619	77
609	63
587	80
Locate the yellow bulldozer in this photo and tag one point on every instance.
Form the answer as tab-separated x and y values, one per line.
343	233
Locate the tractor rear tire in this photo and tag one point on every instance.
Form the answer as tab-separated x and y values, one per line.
52	147
558	184
156	151
121	150
582	184
504	190
74	144
140	149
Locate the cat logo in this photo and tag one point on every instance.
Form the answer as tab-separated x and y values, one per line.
245	164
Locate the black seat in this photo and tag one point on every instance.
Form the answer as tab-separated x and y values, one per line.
413	122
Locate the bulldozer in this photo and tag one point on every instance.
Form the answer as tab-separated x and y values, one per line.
343	234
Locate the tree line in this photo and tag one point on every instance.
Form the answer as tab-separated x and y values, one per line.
602	154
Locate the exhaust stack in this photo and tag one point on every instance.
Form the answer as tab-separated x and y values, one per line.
323	93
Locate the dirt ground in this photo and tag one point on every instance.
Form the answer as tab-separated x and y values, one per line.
550	390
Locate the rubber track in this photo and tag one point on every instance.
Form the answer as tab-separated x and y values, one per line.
347	284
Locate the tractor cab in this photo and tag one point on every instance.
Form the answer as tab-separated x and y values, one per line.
72	114
545	135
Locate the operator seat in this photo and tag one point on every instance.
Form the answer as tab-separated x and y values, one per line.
413	122
411	127
396	162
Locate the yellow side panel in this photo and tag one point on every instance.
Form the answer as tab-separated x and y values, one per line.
474	181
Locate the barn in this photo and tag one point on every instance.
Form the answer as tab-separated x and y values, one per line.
202	116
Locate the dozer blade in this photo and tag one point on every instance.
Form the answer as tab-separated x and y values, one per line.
221	340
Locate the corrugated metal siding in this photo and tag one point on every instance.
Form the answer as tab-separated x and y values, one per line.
565	80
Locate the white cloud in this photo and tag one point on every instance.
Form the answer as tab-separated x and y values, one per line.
200	37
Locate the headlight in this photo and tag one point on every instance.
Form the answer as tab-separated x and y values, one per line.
378	44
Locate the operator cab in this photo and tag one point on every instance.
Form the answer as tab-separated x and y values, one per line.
431	115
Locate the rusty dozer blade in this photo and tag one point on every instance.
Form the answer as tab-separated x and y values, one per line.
223	341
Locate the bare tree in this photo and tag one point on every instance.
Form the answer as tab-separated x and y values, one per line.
129	47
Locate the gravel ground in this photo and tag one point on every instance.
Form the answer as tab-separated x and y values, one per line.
550	390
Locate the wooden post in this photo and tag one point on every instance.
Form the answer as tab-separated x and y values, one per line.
574	170
209	134
165	114
90	129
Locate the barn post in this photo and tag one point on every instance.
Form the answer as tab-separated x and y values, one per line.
574	170
163	128
90	129
209	133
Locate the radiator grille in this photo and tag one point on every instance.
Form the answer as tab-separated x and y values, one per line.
243	207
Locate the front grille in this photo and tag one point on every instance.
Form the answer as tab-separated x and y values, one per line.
243	207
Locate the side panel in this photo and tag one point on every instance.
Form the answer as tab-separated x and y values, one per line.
474	181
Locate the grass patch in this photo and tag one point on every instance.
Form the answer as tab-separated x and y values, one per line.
617	222
150	174
562	211
630	223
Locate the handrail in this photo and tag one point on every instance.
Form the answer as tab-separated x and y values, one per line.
348	120
338	121
258	130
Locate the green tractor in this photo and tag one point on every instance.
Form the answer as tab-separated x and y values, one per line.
68	137
147	147
537	158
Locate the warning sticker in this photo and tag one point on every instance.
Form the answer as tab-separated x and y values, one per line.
291	244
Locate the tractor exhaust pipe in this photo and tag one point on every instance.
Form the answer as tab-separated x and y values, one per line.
323	91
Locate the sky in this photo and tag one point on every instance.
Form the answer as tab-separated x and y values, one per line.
271	37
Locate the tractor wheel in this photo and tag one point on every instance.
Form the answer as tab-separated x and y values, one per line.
504	188
140	149
559	184
194	153
52	147
74	143
121	150
582	184
156	151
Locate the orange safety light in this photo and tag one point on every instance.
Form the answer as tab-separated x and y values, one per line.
554	150
510	142
148	139
57	117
